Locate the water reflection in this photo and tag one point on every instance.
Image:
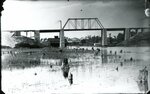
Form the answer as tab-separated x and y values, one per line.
48	61
70	78
104	56
9	62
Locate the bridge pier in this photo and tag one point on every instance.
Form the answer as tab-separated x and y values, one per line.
17	33
62	40
61	36
37	37
127	34
26	34
104	38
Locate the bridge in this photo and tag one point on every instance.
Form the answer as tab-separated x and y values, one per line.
82	24
58	30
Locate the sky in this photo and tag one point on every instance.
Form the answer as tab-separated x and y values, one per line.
46	14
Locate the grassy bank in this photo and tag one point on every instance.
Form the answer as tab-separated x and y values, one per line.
20	58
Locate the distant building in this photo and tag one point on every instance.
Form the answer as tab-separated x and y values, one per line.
52	42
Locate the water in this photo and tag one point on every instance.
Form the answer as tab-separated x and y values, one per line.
37	73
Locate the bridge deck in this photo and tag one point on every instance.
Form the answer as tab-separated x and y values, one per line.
58	30
107	29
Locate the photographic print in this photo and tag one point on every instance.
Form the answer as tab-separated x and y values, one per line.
75	46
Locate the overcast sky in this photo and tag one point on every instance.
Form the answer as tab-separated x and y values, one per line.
39	14
46	14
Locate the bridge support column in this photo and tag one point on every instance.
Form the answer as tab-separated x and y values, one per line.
37	37
127	34
17	33
62	41
26	34
104	37
61	36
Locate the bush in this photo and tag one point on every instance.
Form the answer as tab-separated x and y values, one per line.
26	45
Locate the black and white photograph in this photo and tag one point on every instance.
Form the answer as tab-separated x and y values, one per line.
75	46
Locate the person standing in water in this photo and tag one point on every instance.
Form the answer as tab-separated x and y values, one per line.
65	67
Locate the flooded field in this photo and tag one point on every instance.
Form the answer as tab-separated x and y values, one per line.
86	70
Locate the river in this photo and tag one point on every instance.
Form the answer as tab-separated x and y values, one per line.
111	70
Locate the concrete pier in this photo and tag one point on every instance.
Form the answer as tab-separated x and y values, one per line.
104	37
61	36
17	33
62	40
37	36
127	34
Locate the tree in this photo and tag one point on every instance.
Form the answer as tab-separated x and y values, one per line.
83	41
120	37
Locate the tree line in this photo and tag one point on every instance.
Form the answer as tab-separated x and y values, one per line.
90	40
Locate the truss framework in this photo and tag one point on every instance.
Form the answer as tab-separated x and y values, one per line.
83	24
